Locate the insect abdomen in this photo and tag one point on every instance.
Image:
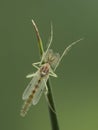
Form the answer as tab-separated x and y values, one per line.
28	102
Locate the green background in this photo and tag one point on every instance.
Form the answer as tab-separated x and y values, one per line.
76	88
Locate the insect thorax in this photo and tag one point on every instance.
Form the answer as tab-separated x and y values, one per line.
44	70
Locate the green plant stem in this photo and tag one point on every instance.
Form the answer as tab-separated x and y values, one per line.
40	44
53	115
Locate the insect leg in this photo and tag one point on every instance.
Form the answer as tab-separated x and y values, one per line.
50	41
46	88
66	51
46	93
52	73
30	75
35	65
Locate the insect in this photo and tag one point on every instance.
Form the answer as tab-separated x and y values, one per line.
45	68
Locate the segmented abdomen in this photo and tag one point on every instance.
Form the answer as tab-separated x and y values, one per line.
28	102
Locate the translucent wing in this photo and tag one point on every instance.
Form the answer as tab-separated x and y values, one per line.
31	86
39	92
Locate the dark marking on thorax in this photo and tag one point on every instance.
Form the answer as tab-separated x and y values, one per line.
44	70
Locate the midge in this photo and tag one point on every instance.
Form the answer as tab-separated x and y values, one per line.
45	68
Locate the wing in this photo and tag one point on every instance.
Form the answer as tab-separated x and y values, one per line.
31	86
39	92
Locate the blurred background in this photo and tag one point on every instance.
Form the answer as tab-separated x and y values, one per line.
76	88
